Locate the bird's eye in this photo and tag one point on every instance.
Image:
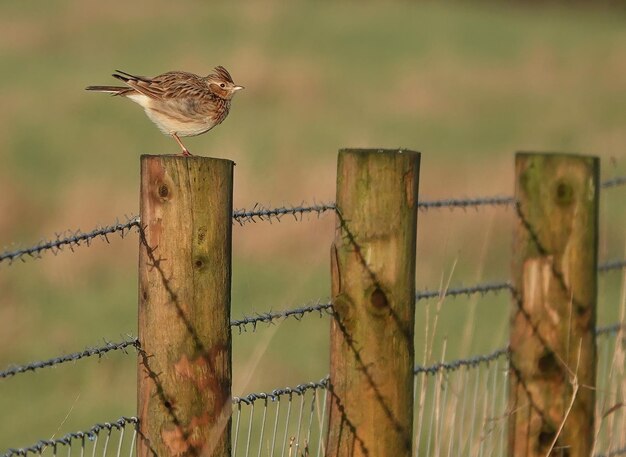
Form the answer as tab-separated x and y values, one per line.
222	85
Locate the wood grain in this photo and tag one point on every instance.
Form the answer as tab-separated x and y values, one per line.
373	290
184	371
553	351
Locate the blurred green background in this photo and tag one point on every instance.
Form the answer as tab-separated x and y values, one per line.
467	84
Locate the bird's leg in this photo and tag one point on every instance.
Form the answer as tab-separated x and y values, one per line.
186	152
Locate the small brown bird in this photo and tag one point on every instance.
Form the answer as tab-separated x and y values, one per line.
179	103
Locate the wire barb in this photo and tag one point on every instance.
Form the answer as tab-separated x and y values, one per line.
70	239
89	352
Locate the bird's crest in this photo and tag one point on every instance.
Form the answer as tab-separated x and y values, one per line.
222	73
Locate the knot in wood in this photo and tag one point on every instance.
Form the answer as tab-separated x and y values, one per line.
564	193
164	191
548	367
200	262
378	299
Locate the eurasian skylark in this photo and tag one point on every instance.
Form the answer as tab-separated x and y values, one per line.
179	103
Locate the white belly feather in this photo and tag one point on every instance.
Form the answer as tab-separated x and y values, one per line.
169	119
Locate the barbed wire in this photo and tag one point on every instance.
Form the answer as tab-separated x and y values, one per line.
275	394
465	203
453	365
89	352
70	239
481	288
327	307
610	329
261	212
470	362
271	316
617	264
613	182
66	440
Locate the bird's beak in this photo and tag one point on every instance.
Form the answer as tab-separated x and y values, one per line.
236	88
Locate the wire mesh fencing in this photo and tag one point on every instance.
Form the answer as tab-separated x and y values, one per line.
460	408
462	411
286	422
611	393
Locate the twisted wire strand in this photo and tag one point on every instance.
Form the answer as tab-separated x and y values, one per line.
617	264
481	288
275	394
261	212
471	362
323	308
298	313
614	182
271	316
486	358
70	239
89	352
327	308
610	329
66	440
464	203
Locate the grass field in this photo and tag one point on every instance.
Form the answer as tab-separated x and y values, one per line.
467	85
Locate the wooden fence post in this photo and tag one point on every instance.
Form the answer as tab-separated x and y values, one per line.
552	341
373	290
184	371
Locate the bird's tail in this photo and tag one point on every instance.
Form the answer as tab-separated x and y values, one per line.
114	90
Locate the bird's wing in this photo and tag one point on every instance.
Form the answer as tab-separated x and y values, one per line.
173	84
138	83
178	84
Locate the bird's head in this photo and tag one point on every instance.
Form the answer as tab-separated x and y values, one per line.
221	83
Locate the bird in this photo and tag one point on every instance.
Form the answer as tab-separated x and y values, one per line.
178	102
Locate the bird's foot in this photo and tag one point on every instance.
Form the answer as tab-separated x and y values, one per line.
186	153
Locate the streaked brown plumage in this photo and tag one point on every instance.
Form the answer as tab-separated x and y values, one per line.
179	103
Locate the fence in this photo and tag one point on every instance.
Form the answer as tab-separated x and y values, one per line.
460	407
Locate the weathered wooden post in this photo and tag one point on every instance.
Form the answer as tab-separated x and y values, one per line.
553	352
373	289
184	371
